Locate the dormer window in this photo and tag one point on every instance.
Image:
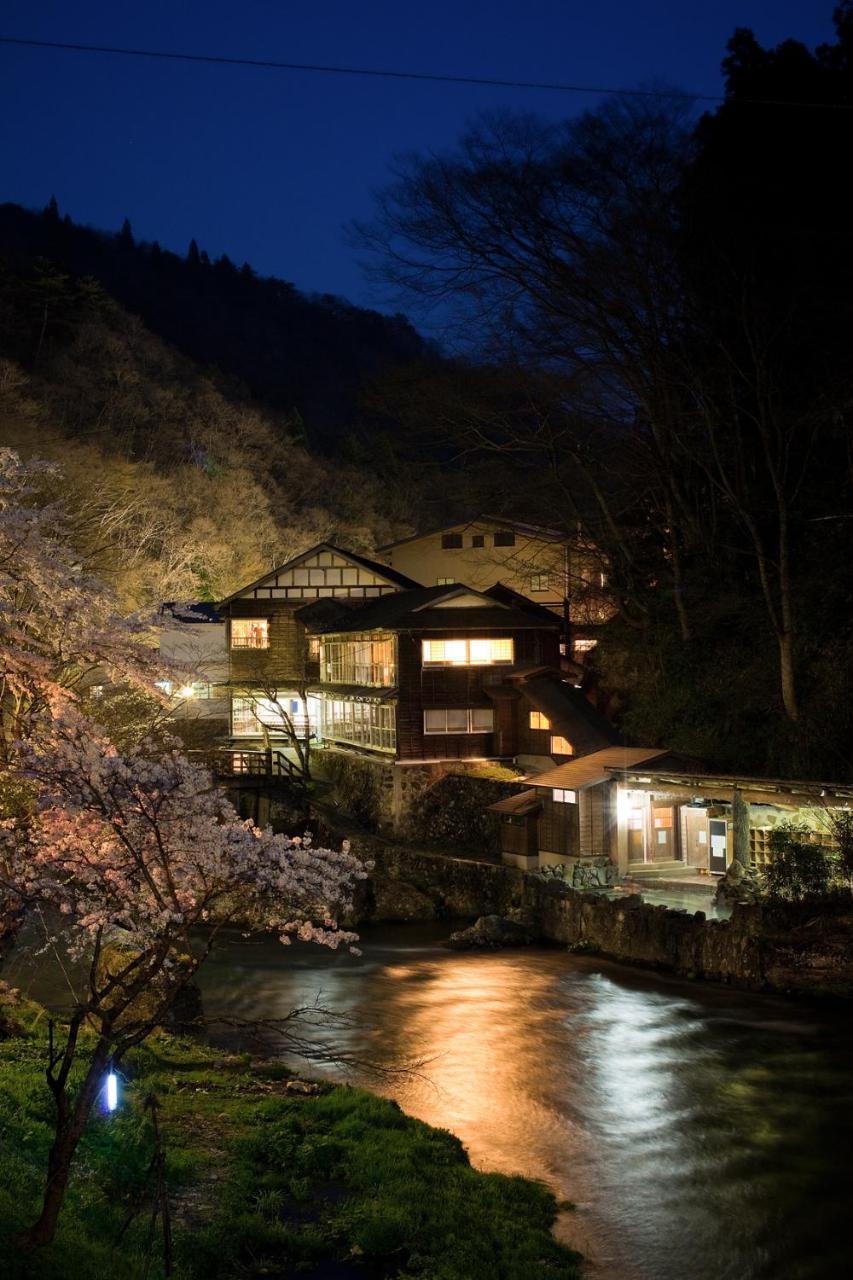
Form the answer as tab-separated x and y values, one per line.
451	541
504	538
250	633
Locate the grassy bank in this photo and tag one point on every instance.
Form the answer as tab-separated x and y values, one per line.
263	1180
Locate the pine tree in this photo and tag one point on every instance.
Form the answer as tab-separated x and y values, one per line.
193	255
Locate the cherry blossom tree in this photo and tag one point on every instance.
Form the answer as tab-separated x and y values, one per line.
132	855
142	863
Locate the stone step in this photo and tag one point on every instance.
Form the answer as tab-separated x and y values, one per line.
653	870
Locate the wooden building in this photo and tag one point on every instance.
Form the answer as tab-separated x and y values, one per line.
654	814
352	653
562	574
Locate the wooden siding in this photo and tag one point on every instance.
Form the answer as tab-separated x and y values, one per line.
559	827
286	659
421	688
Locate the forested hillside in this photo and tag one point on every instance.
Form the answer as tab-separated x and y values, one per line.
306	356
178	487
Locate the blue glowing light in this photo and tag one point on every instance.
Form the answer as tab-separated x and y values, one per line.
111	1091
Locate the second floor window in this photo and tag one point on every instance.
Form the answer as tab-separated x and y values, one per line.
538	721
250	633
444	582
363	659
561	746
451	541
504	538
467	653
459	720
539	582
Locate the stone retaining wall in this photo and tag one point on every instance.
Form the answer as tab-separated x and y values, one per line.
799	949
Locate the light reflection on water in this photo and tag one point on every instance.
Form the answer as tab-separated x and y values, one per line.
702	1134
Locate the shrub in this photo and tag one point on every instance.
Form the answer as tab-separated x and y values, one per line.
797	867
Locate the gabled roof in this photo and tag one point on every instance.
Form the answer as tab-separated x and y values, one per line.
507	595
588	771
391	576
429	609
571	713
519	805
500	522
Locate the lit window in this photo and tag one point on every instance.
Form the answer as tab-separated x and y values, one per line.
459	720
540	582
314	648
561	746
250	633
538	721
466	653
504	538
444	582
451	541
561	796
478	540
97	690
583	645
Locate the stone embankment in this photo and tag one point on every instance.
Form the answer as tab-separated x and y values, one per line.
789	948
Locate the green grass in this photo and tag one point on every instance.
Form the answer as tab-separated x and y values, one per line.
336	1185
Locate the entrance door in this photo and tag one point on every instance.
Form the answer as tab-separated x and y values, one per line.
717	856
636	835
696	843
664	840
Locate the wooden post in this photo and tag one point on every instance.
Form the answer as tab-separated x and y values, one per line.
740	828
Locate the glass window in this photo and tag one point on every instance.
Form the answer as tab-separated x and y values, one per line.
250	633
466	653
561	746
538	721
562	796
451	541
364	724
444	582
540	582
366	659
478	540
504	538
459	720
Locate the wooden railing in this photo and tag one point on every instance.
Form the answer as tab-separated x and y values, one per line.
237	762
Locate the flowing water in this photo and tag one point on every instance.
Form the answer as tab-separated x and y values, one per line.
702	1133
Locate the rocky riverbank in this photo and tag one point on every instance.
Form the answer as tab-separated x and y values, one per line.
804	949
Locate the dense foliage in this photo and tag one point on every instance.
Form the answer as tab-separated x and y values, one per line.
656	314
176	486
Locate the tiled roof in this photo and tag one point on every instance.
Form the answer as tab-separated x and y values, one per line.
587	771
411	611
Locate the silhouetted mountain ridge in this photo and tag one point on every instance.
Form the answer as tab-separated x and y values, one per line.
294	352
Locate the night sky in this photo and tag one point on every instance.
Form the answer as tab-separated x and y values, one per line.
269	166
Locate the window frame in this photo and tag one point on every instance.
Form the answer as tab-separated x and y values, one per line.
468	641
564	795
469	713
247	643
540	582
544	727
557	751
504	538
451	542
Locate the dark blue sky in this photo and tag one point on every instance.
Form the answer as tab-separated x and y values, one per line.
269	166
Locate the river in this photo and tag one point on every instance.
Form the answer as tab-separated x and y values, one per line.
701	1133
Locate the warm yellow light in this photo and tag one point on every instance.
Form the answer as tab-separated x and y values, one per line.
186	692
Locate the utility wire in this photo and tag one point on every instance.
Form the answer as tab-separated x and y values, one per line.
386	74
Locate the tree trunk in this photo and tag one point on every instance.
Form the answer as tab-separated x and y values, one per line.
69	1131
740	828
